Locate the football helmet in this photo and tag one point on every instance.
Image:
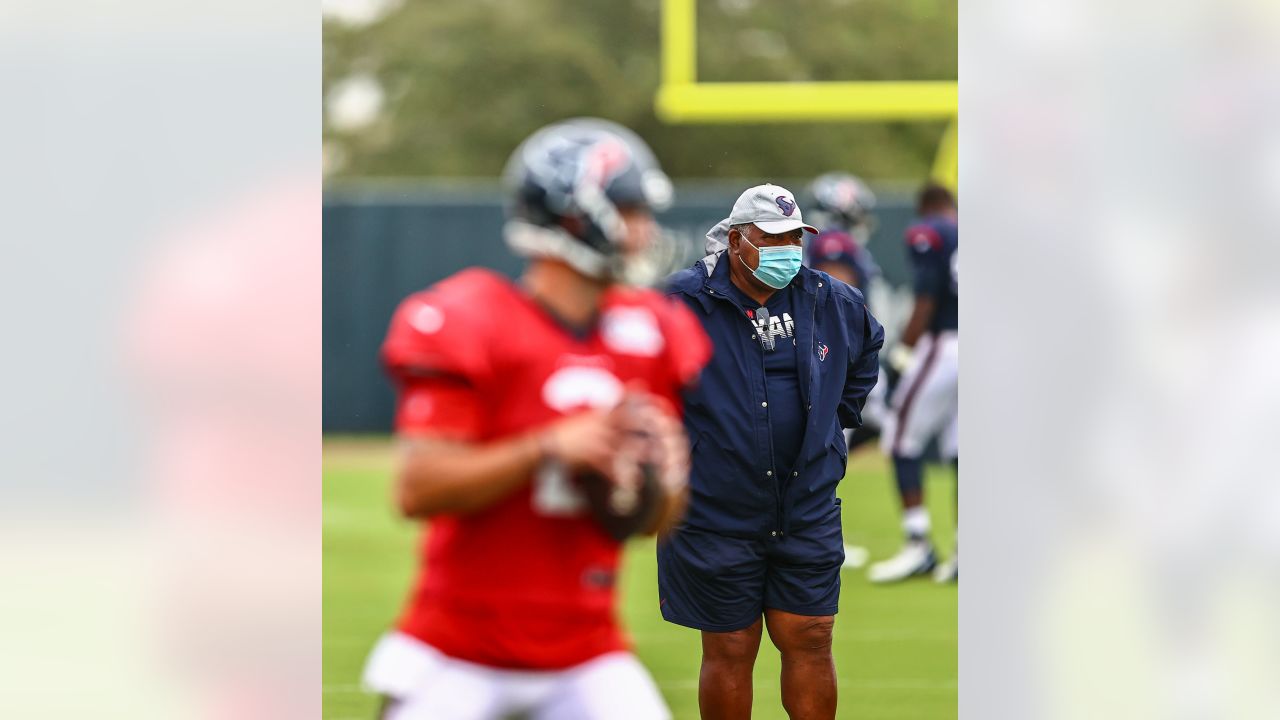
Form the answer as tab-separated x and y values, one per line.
843	202
567	183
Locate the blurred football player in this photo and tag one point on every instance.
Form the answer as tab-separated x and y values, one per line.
844	212
924	405
843	207
539	427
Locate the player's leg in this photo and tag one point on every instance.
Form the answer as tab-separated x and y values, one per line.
418	682
808	670
911	406
611	687
725	690
922	406
949	571
715	584
802	596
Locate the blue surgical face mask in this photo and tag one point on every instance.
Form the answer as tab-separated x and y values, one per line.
778	265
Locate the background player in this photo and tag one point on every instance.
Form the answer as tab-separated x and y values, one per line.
843	207
509	396
925	401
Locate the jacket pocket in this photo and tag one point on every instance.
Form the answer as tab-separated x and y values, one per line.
840	446
832	467
723	490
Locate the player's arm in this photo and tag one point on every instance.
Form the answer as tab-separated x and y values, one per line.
440	472
921	317
929	277
442	475
900	354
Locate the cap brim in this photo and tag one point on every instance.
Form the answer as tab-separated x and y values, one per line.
777	227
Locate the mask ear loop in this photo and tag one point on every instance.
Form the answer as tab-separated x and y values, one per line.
744	239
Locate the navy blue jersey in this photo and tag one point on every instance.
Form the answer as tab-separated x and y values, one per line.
933	245
838	246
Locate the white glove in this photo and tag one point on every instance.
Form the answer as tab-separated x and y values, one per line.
900	357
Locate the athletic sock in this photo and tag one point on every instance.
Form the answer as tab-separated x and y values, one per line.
909	472
915	522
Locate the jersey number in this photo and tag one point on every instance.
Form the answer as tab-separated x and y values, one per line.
554	494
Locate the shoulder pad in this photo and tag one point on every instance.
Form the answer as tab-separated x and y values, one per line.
443	329
923	238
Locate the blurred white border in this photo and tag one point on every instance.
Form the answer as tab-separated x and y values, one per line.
1119	171
160	510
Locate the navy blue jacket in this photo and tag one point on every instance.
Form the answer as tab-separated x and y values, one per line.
733	487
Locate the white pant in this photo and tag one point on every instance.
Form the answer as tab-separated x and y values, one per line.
926	402
422	683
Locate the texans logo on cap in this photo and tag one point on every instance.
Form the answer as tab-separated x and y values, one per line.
786	205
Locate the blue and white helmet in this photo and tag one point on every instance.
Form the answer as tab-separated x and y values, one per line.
843	202
568	181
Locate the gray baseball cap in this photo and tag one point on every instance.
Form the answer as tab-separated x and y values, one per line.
771	207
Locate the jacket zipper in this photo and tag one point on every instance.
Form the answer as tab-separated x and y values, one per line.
773	471
777	482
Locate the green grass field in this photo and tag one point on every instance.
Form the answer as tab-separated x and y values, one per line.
895	647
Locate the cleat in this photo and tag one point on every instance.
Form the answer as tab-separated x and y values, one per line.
855	556
947	572
915	558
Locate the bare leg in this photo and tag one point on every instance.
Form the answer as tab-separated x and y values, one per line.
808	671
724	686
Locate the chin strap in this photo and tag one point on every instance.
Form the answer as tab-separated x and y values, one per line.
529	241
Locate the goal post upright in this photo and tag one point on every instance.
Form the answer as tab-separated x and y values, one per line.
679	43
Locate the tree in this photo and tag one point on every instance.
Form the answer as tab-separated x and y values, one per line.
464	82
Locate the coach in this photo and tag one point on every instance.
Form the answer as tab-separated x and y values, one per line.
761	545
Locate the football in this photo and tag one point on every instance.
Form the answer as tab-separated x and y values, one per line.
623	510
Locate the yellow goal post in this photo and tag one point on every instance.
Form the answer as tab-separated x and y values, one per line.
682	99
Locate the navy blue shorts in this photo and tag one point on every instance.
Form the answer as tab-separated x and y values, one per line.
721	584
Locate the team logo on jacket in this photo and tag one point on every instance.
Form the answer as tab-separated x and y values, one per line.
787	206
822	352
581	386
631	331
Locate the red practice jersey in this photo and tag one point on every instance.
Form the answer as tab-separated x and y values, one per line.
529	581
